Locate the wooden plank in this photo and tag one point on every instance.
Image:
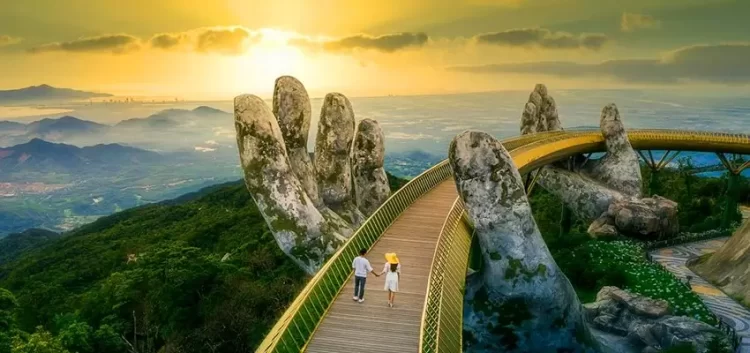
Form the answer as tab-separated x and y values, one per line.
372	326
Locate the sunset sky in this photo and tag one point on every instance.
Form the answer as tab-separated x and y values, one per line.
216	49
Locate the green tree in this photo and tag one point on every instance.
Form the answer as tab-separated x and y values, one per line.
77	337
40	341
8	305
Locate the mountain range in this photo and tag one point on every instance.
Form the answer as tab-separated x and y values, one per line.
41	156
140	131
46	92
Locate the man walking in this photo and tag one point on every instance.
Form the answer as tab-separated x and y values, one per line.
361	267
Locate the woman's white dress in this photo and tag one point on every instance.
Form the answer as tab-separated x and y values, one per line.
391	278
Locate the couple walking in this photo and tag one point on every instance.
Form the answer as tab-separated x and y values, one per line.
362	267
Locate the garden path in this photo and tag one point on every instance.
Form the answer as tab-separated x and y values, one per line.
674	259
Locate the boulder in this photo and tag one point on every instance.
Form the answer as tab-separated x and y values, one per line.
370	181
333	146
300	230
521	302
645	322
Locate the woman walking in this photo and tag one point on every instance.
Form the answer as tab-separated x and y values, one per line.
393	269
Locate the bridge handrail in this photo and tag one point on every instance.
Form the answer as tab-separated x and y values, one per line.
293	330
442	317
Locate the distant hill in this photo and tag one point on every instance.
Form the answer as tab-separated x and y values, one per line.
173	118
66	125
161	120
11	126
63	129
41	156
16	244
46	92
205	110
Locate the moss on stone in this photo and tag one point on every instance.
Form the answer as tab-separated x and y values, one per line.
516	270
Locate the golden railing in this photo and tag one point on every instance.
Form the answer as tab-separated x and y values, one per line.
443	311
298	323
442	316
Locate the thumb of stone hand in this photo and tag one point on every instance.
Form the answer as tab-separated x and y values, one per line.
518	269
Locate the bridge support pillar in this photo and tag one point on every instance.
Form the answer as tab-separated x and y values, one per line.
655	167
734	166
566	215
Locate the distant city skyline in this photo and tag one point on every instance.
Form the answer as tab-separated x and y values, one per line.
214	50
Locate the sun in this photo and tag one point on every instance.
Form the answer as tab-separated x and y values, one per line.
265	61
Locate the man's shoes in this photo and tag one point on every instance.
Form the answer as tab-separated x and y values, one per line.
361	301
355	298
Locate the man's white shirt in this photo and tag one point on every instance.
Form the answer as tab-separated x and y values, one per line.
361	266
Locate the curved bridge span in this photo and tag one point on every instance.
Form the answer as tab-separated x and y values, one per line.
425	223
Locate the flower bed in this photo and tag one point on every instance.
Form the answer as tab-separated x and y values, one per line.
595	264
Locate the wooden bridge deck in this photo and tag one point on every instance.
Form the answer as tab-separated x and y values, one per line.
372	326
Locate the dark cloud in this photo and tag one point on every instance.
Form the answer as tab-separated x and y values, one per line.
633	21
724	63
544	38
225	40
386	43
168	40
115	43
8	40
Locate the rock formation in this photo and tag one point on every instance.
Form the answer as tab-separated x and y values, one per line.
370	181
604	192
645	324
291	106
299	228
729	267
522	302
333	146
310	217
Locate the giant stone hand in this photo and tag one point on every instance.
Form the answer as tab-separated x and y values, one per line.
522	302
309	207
606	192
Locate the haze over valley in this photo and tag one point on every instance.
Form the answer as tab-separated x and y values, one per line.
58	171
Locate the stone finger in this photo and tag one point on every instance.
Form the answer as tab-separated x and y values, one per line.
370	181
299	229
291	106
333	146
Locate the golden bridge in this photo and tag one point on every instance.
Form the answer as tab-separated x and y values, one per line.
425	223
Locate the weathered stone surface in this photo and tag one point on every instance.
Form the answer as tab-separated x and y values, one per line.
370	181
522	302
587	198
646	322
619	169
729	267
300	230
605	192
333	146
540	113
602	228
291	106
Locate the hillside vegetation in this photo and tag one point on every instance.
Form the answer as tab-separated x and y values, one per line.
198	274
153	277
